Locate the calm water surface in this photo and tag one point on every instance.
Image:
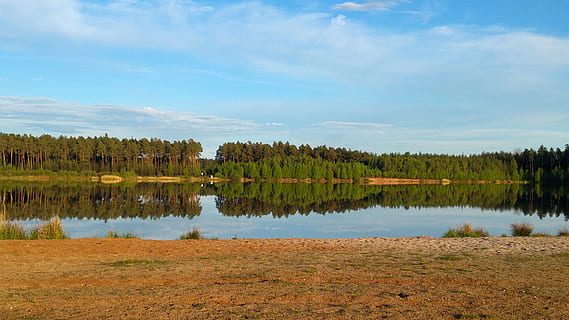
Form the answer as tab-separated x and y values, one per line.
271	210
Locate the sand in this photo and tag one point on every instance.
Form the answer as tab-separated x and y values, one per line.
368	278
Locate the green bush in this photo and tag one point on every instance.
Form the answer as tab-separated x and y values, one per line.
194	234
466	230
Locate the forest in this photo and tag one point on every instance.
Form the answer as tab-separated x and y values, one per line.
154	157
259	161
286	160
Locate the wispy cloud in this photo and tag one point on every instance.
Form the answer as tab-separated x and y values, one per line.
455	72
368	6
78	118
351	125
275	124
304	46
48	116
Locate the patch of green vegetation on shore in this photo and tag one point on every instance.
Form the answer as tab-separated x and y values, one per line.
126	235
194	234
47	231
466	230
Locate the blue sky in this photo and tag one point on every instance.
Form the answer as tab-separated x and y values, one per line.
380	76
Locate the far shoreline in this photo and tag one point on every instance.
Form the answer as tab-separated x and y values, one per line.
367	181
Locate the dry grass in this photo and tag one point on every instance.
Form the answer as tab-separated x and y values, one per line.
523	229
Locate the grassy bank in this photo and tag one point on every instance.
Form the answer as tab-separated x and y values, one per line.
46	231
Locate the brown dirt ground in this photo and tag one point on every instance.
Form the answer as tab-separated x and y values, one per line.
375	278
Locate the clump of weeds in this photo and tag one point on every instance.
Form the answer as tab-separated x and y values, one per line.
466	230
523	229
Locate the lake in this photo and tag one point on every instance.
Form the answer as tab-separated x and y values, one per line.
275	210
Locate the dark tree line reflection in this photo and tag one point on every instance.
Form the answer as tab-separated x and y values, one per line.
282	200
22	201
97	201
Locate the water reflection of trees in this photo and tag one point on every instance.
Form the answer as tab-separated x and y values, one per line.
282	200
148	200
544	201
95	201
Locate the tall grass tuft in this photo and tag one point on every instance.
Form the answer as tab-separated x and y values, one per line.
466	230
12	231
49	230
563	232
194	234
15	231
523	229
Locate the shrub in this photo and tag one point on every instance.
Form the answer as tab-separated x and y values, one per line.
523	229
195	234
466	230
563	232
49	230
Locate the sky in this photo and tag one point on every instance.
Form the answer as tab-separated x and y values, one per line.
430	76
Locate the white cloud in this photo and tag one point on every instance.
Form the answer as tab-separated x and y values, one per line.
48	116
305	46
431	9
39	116
62	17
368	6
455	72
350	125
338	21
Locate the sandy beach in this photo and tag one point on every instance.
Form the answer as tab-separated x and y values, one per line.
367	278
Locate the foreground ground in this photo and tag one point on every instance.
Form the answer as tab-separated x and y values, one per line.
406	278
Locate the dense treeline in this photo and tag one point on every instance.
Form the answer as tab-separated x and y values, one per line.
253	152
99	154
250	159
325	162
303	167
259	161
543	165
